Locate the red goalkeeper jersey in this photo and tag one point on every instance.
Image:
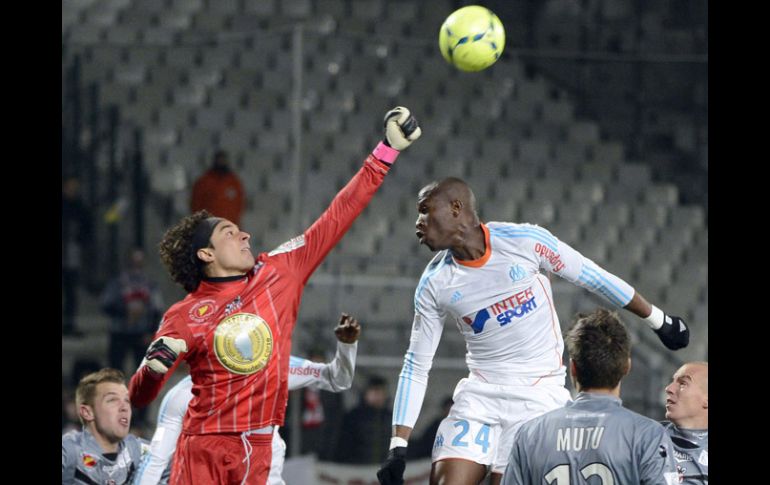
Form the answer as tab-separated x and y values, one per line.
238	332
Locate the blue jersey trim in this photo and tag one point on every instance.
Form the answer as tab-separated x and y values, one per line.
617	292
403	395
538	235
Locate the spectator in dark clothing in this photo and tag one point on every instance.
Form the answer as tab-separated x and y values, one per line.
366	429
76	228
134	303
423	446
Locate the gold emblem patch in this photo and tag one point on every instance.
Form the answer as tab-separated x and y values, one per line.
243	343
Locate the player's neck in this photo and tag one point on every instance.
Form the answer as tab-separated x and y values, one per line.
615	392
696	422
471	243
106	445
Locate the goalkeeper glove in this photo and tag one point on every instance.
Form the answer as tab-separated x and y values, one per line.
162	354
401	128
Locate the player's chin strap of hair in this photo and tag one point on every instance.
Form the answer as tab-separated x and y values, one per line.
202	236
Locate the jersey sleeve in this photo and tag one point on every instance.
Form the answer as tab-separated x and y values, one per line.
427	326
170	418
145	384
558	257
657	464
302	254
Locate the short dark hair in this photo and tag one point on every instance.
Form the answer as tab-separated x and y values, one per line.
599	345
176	251
86	390
376	381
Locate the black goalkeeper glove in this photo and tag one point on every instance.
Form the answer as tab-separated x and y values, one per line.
673	333
392	471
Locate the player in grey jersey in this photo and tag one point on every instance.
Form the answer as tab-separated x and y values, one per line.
593	439
687	408
103	452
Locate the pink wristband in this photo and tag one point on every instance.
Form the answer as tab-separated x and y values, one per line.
384	153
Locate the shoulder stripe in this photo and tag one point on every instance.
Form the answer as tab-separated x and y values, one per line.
513	234
528	230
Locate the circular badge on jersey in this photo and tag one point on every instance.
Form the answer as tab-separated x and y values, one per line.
243	343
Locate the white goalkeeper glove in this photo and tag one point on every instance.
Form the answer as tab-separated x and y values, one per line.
401	128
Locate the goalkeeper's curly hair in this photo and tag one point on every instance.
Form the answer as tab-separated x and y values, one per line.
176	252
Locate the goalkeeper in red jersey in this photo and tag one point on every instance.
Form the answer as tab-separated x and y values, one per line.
234	327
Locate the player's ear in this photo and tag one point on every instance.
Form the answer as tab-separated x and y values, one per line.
86	413
628	367
205	254
457	207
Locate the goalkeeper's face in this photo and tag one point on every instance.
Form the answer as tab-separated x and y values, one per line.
111	412
230	254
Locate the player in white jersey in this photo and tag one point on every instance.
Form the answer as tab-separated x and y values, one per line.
335	376
488	279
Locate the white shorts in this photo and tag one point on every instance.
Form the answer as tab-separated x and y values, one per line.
276	464
484	419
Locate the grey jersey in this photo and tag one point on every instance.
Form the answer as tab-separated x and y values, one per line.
592	440
691	451
83	462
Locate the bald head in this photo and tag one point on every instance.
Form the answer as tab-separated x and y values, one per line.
449	190
448	219
687	396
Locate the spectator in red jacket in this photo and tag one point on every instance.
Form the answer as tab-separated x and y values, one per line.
219	190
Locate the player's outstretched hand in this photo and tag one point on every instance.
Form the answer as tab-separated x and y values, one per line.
348	330
392	471
401	128
673	333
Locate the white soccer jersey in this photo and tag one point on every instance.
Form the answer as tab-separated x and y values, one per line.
503	306
335	376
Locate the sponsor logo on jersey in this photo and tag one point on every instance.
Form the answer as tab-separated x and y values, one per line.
243	343
680	457
234	305
456	296
552	257
203	310
89	461
290	245
517	273
504	311
305	371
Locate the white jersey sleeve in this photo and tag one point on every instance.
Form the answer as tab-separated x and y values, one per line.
334	376
559	258
427	326
170	417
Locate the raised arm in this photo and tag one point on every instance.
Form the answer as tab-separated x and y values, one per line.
304	253
560	258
